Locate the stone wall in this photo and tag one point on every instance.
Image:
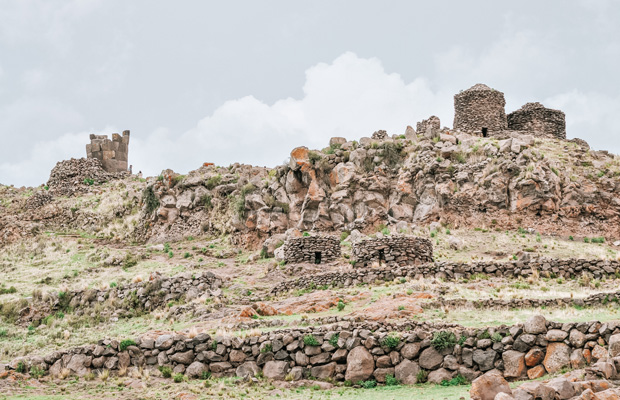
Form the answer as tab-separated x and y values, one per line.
536	118
392	250
429	127
567	268
354	352
311	249
480	107
113	154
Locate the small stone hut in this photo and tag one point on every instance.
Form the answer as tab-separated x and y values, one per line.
311	249
480	110
393	250
113	154
538	119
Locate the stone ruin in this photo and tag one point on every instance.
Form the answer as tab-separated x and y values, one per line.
113	154
480	109
311	249
534	117
379	135
429	127
393	250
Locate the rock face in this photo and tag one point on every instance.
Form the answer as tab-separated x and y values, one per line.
360	365
488	386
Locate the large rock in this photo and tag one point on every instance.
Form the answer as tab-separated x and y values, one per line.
80	364
430	358
488	386
247	369
323	371
557	357
614	345
360	365
535	325
485	359
185	358
556	335
439	376
275	370
407	372
196	370
514	364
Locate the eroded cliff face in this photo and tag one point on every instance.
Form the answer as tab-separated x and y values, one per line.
553	186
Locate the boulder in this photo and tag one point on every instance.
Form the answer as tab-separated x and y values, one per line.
557	357
247	369
185	358
485	359
430	358
535	325
614	345
487	386
514	364
275	370
407	372
323	371
360	364
556	335
439	376
196	370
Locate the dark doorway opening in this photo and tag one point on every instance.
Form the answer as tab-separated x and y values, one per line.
381	255
484	132
317	257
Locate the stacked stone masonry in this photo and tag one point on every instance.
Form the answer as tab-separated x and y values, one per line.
355	352
536	118
429	127
393	250
113	154
567	268
312	249
480	110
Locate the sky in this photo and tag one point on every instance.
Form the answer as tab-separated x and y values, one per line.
247	81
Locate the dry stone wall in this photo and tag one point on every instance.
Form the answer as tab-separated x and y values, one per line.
393	250
113	154
567	268
311	249
355	352
73	176
478	108
429	127
536	118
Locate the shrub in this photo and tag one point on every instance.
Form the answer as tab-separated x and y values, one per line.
186	255
166	371
456	381
126	343
36	372
170	254
178	378
267	348
368	384
213	181
21	367
205	375
310	340
497	337
390	380
443	339
314	157
89	181
391	341
305	234
571	238
149	200
9	290
334	339
344	235
392	153
586	240
422	376
206	201
341	305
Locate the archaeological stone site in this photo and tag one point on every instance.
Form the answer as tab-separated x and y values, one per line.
480	261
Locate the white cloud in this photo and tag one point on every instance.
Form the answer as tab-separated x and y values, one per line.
350	97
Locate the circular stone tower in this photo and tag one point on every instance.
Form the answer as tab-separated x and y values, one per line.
480	110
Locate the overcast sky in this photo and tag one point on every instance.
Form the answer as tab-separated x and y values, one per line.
246	81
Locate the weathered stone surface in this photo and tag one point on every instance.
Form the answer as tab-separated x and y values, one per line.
487	386
514	364
614	345
196	370
275	369
360	364
248	368
485	359
430	358
557	357
534	357
535	325
439	375
407	372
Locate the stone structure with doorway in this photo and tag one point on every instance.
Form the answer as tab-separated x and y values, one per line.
113	154
480	109
393	250
312	249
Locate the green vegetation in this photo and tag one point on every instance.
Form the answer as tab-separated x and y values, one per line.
126	343
443	340
391	341
310	340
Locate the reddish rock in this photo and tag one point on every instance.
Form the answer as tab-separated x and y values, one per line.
534	357
536	372
514	364
599	353
488	386
557	357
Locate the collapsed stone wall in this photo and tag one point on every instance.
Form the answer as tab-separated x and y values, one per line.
144	295
393	250
567	268
311	249
429	127
536	118
73	176
355	352
480	107
113	154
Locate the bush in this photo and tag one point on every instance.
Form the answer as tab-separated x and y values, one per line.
456	381
178	378
392	153
368	384
89	181
149	200
390	380
334	339
126	343
213	182
341	305
314	157
166	372
422	376
21	367
443	339
344	235
391	341
36	372
310	340
267	348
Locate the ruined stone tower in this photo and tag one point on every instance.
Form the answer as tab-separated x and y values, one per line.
113	154
480	110
536	118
